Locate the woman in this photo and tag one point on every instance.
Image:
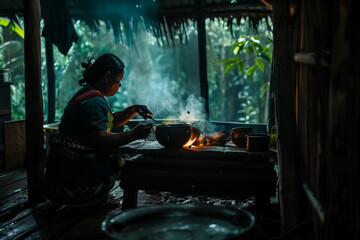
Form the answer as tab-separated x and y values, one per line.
80	169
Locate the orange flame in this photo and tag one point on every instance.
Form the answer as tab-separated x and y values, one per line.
190	142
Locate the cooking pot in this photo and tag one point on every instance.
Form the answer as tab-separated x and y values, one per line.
258	142
179	221
176	135
239	136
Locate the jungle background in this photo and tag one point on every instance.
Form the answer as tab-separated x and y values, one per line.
163	77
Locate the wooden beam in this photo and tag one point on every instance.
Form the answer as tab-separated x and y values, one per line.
204	87
285	115
51	81
102	9
33	100
310	58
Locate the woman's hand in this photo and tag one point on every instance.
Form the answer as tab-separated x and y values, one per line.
142	131
143	111
122	117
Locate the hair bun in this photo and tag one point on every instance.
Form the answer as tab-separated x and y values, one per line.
87	62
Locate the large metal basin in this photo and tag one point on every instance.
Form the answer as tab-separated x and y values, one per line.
179	221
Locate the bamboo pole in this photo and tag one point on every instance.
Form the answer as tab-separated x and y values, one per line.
33	100
51	81
204	87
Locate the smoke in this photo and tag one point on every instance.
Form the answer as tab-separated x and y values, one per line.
194	114
161	95
158	94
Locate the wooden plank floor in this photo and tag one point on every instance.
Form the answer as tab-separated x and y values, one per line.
19	220
13	193
46	220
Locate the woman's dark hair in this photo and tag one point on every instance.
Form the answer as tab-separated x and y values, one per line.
94	70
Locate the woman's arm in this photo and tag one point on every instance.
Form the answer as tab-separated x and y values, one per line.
104	140
122	117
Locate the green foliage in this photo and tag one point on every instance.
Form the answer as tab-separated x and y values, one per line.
13	26
241	94
248	48
238	96
17	101
12	58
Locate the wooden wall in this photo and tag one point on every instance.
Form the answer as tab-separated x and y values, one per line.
325	72
15	144
342	191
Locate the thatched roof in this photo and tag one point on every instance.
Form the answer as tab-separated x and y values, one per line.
165	18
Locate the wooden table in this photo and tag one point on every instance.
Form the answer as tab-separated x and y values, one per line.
208	170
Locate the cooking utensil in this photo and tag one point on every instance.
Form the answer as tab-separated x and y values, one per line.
146	116
173	135
150	117
179	221
176	135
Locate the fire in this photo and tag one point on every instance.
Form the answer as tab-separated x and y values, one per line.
190	142
214	139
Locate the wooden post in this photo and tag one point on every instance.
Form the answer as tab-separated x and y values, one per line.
51	81
33	100
343	166
285	114
204	87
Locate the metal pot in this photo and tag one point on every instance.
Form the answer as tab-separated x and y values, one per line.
175	135
179	221
239	136
258	142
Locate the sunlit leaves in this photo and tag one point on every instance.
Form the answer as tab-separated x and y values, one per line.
13	26
250	49
266	55
17	29
4	22
251	71
241	66
229	67
256	43
238	46
246	49
260	64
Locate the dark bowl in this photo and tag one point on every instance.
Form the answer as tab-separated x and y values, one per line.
173	135
179	221
238	136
